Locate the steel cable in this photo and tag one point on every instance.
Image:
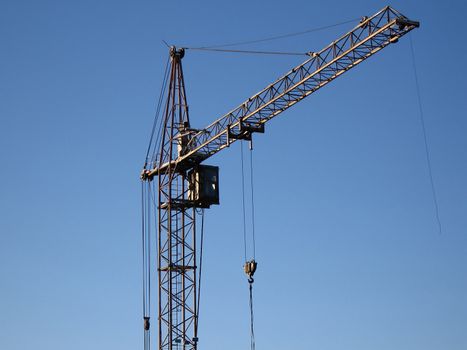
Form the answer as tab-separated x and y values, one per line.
252	203
250	279
156	117
252	329
146	228
248	51
282	36
243	203
156	146
425	139
143	239
200	270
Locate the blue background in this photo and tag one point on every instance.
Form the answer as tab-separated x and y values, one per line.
349	252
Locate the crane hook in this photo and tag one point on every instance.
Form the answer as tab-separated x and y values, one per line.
250	269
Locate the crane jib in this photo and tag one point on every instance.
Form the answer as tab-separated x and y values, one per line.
368	37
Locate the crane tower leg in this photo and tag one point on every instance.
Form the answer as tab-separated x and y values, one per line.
176	225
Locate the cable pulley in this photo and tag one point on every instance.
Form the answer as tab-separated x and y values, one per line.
250	269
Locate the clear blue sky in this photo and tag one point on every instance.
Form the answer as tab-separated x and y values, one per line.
347	240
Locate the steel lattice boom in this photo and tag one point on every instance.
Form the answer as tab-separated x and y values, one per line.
366	39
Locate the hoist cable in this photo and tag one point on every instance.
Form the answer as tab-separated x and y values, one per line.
425	139
283	36
146	229
200	268
148	263
148	267
252	329
143	239
250	280
243	203
252	204
248	51
157	114
250	266
157	146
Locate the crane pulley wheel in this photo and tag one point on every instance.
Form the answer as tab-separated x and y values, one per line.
250	269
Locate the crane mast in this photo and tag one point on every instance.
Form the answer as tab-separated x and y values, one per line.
183	149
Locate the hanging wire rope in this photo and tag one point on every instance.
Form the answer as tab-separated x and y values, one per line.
243	203
143	243
425	139
282	36
146	248
200	269
249	51
253	262
252	203
250	265
148	239
155	145
252	320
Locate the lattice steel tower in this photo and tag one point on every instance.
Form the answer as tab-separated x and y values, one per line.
176	224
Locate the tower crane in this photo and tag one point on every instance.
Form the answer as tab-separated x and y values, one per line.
184	184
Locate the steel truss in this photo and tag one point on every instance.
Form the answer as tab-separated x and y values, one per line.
176	226
367	38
